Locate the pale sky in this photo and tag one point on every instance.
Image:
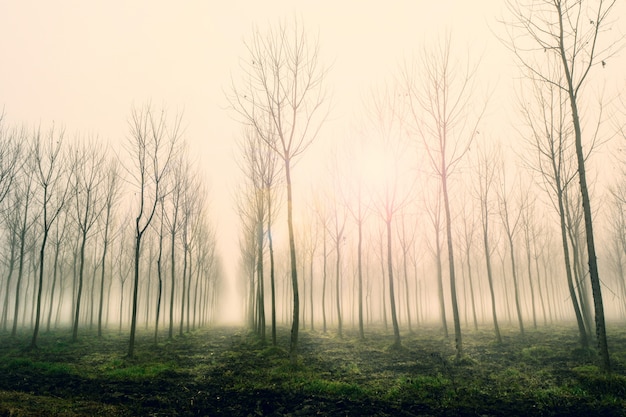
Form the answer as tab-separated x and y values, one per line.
84	64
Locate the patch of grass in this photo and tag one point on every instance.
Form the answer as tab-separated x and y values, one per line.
433	389
137	372
331	388
535	354
592	378
37	367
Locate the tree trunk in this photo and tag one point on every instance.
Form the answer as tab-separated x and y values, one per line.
338	286
324	283
442	304
133	317
518	305
458	338
33	343
360	272
494	313
272	272
293	345
260	278
392	300
81	270
582	176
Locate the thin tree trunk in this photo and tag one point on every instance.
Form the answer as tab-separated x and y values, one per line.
458	337
81	270
594	276
293	345
33	343
325	254
360	272
392	301
494	313
337	285
272	271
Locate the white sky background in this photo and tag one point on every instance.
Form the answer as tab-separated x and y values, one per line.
83	64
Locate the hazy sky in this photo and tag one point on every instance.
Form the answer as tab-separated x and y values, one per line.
84	64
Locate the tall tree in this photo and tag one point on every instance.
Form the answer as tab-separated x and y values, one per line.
87	175
390	184
487	175
53	185
553	157
444	117
567	33
111	196
152	146
283	100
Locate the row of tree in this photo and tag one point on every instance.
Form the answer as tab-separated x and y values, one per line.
73	208
433	110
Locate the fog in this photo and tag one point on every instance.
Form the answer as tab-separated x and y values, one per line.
85	79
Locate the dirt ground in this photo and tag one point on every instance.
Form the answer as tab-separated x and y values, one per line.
226	371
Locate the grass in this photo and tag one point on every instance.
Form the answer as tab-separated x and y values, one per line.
230	372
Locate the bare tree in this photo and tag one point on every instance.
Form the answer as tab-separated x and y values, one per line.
567	34
487	173
87	176
553	157
391	191
442	114
159	268
11	147
152	146
53	185
111	197
58	240
511	223
283	99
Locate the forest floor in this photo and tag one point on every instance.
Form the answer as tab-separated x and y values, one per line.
227	371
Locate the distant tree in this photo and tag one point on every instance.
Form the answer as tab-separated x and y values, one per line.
511	221
487	175
323	219
12	141
283	100
60	230
87	176
159	262
406	237
392	190
111	196
337	234
152	146
173	215
52	182
433	209
467	233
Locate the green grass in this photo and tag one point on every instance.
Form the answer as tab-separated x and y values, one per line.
543	373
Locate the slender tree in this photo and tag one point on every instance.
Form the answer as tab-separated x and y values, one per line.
152	146
111	197
553	158
53	185
487	175
446	120
283	100
87	176
511	223
568	34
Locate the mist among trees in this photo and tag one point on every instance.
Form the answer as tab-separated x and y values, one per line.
419	228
